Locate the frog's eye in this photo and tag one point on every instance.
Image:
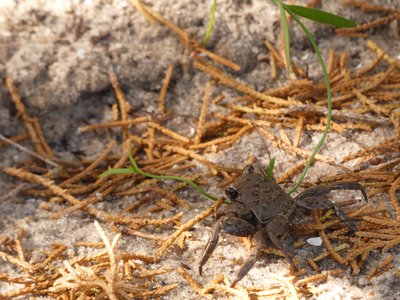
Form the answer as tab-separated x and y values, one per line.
248	169
231	192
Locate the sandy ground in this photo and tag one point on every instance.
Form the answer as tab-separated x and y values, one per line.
59	54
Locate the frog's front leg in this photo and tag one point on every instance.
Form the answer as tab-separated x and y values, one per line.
229	224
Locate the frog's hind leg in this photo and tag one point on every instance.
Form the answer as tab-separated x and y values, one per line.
271	233
275	229
316	197
253	256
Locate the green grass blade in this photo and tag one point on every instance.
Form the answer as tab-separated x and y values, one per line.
135	169
320	16
270	170
191	183
286	35
210	24
329	95
117	171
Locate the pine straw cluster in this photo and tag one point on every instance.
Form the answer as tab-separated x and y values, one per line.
364	100
389	16
109	274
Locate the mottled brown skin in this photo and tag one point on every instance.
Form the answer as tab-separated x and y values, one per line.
263	210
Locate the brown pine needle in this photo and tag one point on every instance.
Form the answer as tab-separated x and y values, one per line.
138	222
374	47
113	124
331	61
18	244
219	59
170	133
150	147
42	139
227	139
356	31
203	113
317	277
30	177
393	199
272	62
152	15
161	291
16	139
311	262
164	89
366	7
327	243
91	167
190	281
28	121
91	199
367	68
193	155
231	82
90	245
171	196
54	255
209	286
326	254
383	266
26	150
291	172
25	266
275	54
123	105
298	132
186	226
291	149
256	109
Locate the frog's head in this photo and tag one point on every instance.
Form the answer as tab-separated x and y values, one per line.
232	191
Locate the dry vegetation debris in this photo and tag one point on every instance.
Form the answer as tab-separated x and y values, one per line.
363	100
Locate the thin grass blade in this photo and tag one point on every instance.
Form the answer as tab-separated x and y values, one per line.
320	16
270	170
210	24
117	171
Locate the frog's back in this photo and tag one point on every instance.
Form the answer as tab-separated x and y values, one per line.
263	196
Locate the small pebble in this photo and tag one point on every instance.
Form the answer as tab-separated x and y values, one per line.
315	241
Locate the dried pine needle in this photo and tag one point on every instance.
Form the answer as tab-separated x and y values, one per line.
170	133
26	150
392	195
189	280
122	102
16	139
113	124
28	121
357	31
311	262
164	89
374	47
203	112
42	139
327	243
91	167
381	267
231	82
152	15
186	226
219	59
